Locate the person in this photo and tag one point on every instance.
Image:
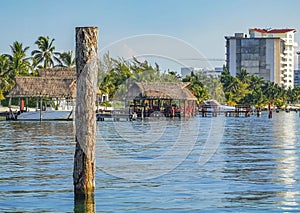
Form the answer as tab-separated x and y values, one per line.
258	111
215	112
270	113
203	112
248	112
172	112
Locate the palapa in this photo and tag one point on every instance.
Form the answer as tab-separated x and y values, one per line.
160	90
51	83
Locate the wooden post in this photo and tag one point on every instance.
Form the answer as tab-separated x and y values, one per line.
41	107
26	103
85	117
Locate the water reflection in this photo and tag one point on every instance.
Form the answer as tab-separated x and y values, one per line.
287	161
86	205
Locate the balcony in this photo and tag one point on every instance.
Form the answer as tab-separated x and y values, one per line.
283	68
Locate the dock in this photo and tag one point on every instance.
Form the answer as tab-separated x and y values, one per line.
114	115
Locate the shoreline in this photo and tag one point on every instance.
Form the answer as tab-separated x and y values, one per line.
6	109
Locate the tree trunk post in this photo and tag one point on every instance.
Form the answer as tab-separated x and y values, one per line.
85	117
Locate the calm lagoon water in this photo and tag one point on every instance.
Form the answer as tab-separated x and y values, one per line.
157	166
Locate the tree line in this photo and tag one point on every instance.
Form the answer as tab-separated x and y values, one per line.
252	89
227	89
115	75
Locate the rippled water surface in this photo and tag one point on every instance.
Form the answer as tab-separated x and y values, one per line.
201	164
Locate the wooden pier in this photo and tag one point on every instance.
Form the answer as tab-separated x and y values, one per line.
114	115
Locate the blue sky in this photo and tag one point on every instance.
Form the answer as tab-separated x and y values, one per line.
198	25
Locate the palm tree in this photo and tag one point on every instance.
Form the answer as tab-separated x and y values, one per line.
214	88
197	87
255	82
19	63
296	93
273	92
244	77
67	59
4	67
12	66
4	76
45	54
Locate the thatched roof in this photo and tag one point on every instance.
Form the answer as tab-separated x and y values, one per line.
61	72
160	90
55	82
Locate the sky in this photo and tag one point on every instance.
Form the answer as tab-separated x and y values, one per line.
173	33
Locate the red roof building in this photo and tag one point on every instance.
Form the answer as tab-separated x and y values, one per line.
268	53
271	31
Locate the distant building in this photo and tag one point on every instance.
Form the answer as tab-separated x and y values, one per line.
297	78
297	72
268	53
188	70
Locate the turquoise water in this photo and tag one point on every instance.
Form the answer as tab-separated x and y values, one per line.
157	166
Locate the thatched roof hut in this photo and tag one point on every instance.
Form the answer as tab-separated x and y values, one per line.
53	83
160	90
172	99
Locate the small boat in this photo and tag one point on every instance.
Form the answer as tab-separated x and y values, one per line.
62	111
46	115
213	105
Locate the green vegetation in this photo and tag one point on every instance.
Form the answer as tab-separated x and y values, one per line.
18	63
251	89
116	75
45	55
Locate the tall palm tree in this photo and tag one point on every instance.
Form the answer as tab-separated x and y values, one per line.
13	65
296	93
19	62
4	67
255	82
226	78
244	77
45	54
215	88
272	91
4	76
67	59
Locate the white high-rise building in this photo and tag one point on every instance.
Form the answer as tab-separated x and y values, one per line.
268	53
287	58
216	72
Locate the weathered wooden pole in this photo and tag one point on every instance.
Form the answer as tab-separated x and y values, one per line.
85	117
41	108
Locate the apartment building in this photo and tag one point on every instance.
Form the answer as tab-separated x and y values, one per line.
268	53
287	35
